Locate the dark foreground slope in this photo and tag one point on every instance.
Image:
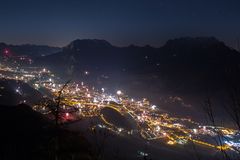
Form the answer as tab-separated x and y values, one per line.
25	134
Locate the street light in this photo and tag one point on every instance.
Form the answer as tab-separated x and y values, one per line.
153	107
103	89
119	92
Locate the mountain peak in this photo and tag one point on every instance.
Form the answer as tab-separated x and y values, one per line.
194	42
88	43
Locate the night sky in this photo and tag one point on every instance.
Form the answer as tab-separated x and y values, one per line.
121	22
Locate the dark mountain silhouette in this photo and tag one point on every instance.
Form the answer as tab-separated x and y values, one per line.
98	55
87	44
30	50
201	60
186	59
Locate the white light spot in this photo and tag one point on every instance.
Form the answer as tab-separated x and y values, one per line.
119	92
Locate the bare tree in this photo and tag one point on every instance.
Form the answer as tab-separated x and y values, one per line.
234	108
219	139
55	108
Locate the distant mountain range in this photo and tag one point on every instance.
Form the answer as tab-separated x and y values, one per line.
202	58
101	54
30	50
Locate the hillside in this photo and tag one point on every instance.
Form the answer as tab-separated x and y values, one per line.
26	133
15	92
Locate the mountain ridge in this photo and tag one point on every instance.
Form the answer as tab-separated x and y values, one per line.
31	50
197	61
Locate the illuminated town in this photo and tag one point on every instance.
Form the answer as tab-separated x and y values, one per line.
80	101
120	80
